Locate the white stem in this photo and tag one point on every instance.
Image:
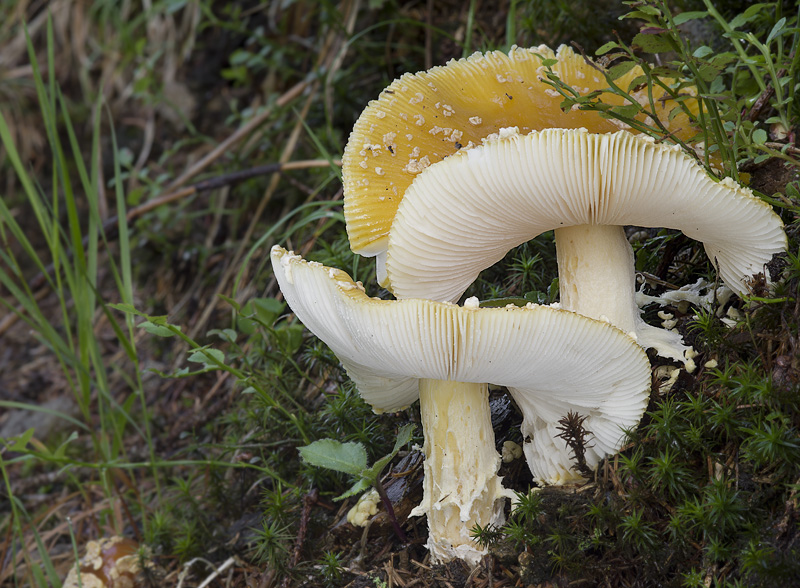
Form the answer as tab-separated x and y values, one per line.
596	278
461	487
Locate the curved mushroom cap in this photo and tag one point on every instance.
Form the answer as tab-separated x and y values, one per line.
552	360
464	214
422	118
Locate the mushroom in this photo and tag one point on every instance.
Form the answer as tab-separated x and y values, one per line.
111	562
464	214
552	361
420	119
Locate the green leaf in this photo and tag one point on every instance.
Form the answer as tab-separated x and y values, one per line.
224	334
683	17
708	72
158	330
776	30
61	451
702	51
759	136
127	308
403	437
660	43
620	69
290	338
349	458
235	305
607	47
206	356
20	442
749	14
625	112
636	14
358	488
268	309
643	12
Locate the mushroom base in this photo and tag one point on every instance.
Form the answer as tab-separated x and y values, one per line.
461	486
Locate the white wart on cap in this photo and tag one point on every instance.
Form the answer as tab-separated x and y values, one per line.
553	362
465	213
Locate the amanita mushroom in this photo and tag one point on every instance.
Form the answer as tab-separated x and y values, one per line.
552	361
465	213
422	118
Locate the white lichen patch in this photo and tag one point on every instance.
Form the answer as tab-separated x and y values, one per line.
419	120
475	120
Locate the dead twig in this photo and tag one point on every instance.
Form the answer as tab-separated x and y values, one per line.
309	500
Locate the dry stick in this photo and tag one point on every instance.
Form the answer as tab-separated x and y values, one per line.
309	500
110	226
294	137
331	62
223	147
766	95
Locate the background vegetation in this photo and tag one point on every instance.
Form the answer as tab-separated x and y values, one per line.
152	384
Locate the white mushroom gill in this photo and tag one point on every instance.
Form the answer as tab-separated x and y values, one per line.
552	361
465	213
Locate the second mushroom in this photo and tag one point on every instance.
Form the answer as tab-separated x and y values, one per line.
465	213
552	361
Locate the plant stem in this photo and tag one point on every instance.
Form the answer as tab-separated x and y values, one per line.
390	510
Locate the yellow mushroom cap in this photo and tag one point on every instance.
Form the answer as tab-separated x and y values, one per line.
422	118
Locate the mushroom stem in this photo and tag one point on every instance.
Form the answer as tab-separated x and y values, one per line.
461	487
596	278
